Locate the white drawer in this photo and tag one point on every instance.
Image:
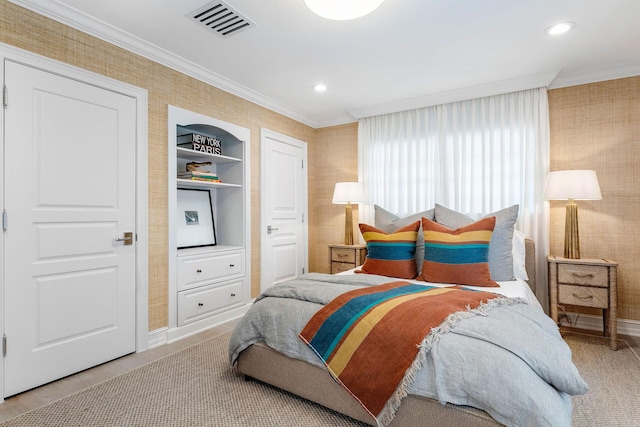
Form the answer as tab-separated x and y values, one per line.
197	271
203	302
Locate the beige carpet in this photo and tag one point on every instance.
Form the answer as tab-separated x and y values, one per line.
196	387
613	377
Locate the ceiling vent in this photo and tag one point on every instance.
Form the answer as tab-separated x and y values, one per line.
221	18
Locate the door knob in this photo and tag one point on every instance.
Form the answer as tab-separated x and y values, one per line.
127	239
270	229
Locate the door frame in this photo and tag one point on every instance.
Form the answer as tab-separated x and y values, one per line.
285	139
8	52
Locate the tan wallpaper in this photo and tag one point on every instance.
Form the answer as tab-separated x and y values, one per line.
334	158
597	126
32	32
592	127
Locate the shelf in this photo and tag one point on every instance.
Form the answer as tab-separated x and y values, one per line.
226	263
189	183
188	154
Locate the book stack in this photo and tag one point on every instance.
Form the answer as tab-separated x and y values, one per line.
199	176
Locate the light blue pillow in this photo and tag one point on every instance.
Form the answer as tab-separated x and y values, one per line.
501	246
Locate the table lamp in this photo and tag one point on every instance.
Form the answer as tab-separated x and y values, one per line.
348	193
572	185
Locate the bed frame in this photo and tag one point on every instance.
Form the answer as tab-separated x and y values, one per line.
313	383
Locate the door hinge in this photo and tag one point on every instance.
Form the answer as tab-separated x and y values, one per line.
302	270
4	220
5	96
303	217
302	163
4	345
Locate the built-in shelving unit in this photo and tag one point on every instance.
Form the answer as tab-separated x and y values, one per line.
209	284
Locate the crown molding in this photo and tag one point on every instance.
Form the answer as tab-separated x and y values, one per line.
87	24
456	95
593	76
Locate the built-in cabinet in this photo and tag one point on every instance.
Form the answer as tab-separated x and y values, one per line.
209	284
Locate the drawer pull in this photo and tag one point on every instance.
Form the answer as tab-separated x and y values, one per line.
198	271
232	265
233	295
581	297
200	304
583	276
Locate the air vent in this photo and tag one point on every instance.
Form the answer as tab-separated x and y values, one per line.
221	18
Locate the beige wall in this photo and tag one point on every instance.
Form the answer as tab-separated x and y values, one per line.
597	126
32	32
333	158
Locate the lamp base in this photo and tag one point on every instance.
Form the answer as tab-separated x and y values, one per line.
571	234
348	225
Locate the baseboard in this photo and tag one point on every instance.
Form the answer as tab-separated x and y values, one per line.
158	337
594	323
163	336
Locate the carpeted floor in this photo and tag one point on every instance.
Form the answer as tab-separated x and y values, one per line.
614	382
197	387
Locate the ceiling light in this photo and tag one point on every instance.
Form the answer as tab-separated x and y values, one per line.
341	10
320	87
560	28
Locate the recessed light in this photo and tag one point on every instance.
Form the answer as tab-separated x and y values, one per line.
560	28
320	87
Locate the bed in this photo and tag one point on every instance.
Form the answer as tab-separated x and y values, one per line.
519	381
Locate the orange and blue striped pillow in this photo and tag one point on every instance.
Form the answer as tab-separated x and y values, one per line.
458	256
392	254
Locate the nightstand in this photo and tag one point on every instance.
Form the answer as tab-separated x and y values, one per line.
585	283
346	257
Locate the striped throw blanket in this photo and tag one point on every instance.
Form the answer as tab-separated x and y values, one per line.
370	338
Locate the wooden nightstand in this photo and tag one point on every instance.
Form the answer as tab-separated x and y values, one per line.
346	257
586	283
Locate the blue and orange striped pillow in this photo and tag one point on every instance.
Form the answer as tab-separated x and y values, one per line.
458	256
392	254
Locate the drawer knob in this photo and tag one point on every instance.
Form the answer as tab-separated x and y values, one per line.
233	295
198	271
200	304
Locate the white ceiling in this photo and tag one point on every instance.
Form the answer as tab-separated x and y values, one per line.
406	54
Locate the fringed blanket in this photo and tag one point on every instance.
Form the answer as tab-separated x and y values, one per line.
373	340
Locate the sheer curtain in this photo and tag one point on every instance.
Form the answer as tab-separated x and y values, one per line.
475	156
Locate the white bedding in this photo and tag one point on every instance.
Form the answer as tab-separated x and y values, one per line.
513	289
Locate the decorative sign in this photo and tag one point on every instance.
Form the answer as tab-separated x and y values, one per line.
201	143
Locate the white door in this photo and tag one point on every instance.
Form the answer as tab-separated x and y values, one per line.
69	177
284	208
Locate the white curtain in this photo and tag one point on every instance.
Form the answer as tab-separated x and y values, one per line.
475	156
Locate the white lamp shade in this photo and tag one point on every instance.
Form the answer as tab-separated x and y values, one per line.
348	192
341	10
572	184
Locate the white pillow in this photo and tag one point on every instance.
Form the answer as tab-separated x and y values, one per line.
518	252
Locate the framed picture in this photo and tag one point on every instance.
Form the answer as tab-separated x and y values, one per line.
195	219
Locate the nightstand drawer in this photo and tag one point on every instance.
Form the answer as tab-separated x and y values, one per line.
584	296
344	255
583	275
339	267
